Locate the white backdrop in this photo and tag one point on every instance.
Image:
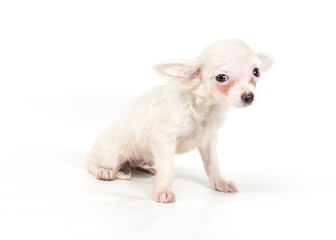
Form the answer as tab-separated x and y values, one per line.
67	68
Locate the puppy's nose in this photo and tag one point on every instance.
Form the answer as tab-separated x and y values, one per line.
247	97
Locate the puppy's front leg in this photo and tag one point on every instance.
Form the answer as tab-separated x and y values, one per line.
164	165
208	151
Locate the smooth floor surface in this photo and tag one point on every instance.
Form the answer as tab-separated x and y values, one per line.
50	195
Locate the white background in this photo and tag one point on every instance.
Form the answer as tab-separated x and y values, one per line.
67	69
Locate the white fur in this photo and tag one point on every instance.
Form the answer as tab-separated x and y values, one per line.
179	116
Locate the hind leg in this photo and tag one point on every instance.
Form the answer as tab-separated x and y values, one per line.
104	166
101	173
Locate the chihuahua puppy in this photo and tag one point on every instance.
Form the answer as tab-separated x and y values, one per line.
180	116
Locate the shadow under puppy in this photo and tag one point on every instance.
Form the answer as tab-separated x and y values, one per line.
180	116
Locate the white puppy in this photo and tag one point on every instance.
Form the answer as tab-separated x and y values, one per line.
180	116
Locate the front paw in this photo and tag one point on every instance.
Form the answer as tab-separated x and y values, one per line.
164	196
223	186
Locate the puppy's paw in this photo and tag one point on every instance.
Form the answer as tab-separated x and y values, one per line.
164	196
104	174
223	186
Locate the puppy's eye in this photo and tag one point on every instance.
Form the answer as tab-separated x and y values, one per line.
256	72
222	78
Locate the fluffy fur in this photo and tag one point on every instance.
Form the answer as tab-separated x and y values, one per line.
178	117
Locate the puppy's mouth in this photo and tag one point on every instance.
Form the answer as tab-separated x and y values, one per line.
244	105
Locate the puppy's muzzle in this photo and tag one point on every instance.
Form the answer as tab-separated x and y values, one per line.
247	98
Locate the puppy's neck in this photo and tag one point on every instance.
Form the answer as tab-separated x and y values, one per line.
206	107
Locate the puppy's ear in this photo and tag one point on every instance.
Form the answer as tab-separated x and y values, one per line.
183	71
266	61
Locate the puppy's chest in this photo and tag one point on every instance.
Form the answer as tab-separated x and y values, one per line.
197	131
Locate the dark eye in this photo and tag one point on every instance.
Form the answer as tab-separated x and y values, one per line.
222	78
256	72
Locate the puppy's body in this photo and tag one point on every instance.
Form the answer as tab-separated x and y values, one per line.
177	117
165	112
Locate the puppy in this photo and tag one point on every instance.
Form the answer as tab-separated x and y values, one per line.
180	116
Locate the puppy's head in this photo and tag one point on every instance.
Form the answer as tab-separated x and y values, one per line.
227	72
